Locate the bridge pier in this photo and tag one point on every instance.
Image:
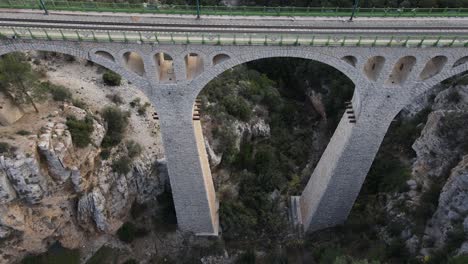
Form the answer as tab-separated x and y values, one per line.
190	176
337	179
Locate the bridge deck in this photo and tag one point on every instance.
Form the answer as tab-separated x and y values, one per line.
78	26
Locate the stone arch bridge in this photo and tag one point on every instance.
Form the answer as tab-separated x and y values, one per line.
388	73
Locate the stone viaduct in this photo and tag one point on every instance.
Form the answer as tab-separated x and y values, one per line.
172	75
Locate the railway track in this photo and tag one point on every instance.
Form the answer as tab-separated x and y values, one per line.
227	28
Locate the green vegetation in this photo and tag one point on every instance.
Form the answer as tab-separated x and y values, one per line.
262	166
115	98
122	165
117	121
17	79
129	232
55	255
80	130
111	78
6	148
23	132
141	108
133	149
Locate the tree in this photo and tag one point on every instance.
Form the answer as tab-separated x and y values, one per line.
17	78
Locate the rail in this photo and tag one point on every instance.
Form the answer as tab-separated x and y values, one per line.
63	5
12	33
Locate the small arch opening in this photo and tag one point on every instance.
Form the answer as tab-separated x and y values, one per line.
193	65
460	61
105	54
401	71
373	67
351	60
134	62
433	67
220	58
165	67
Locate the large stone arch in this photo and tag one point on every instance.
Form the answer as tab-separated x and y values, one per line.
236	59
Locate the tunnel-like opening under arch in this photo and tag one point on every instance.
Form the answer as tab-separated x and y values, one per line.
164	67
193	65
134	62
401	71
373	67
253	122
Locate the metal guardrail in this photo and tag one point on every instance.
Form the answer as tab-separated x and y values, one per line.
63	5
12	33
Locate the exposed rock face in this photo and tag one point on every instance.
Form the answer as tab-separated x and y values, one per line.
53	145
441	145
453	205
91	206
25	176
7	193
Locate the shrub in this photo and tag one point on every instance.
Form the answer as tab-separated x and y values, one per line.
131	261
142	108
135	102
23	132
117	121
79	103
59	93
115	98
111	78
133	149
453	97
80	131
123	165
237	107
127	232
5	148
247	257
463	259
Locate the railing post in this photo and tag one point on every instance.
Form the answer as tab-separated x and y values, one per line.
281	40
374	43
30	33
265	41
359	41
219	40
406	41
328	41
296	43
47	35
109	36
453	41
390	42
125	36
422	40
343	42
437	41
63	36
234	40
312	41
78	35
156	37
141	38
250	39
94	36
203	38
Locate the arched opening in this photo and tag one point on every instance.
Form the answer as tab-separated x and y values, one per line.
258	121
105	54
460	61
193	65
351	60
165	67
134	62
220	58
401	71
433	67
373	67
